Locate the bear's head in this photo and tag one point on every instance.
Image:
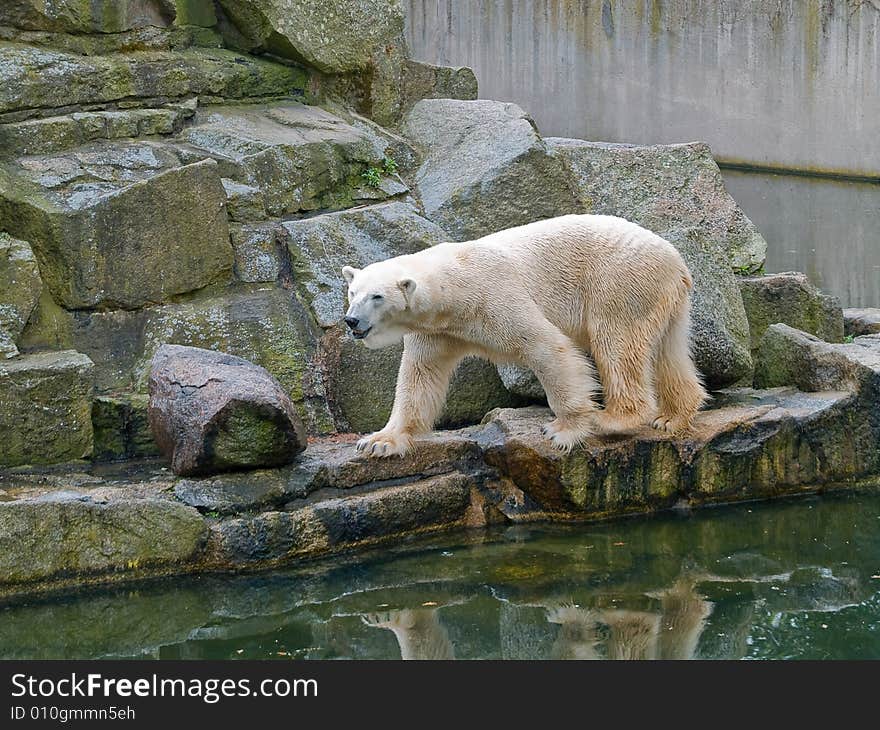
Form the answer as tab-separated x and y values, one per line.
380	299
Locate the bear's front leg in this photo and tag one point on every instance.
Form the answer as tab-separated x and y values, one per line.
425	370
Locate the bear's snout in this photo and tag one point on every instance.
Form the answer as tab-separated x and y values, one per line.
358	328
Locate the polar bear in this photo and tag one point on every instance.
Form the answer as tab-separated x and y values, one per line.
545	295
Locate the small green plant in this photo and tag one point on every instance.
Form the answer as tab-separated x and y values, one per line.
372	176
848	339
213	513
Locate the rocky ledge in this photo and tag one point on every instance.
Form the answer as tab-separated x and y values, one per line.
134	520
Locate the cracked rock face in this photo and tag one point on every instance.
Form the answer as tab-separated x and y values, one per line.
212	412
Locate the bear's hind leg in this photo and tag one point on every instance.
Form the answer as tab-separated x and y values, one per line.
624	370
679	390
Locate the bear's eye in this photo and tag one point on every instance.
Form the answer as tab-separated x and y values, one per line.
377	297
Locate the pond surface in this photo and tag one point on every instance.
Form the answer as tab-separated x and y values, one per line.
829	229
761	581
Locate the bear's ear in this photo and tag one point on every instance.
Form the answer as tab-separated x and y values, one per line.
348	272
407	286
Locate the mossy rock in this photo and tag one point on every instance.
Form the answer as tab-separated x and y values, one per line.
41	539
46	408
35	79
121	427
791	299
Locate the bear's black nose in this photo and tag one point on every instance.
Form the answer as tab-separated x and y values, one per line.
352	322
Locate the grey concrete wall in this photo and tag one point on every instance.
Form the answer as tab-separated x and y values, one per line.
787	83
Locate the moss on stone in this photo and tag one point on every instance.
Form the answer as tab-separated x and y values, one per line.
121	427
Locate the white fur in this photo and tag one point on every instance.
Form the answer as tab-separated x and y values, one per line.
545	295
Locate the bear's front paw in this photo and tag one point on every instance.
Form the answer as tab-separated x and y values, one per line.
384	443
567	433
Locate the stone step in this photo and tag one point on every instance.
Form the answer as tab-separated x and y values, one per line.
330	465
49	135
347	521
39	82
66	533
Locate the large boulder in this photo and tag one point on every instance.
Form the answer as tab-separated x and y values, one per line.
677	192
212	412
45	408
119	224
20	288
485	167
298	157
335	36
790	298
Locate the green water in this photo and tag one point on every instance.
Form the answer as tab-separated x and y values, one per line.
763	581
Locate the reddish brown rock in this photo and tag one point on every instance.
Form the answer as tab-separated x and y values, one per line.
212	412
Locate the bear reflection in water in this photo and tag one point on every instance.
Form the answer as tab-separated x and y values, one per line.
584	633
419	632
